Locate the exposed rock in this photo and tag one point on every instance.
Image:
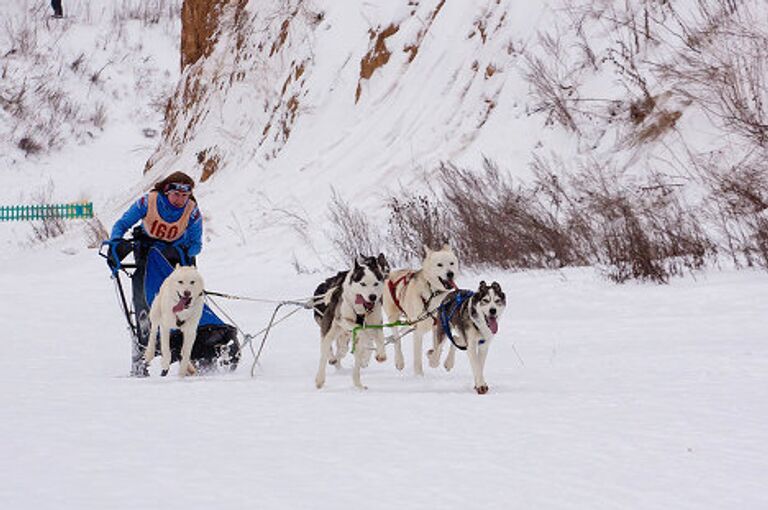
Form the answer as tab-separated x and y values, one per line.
199	23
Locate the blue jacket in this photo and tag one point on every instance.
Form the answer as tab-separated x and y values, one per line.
192	238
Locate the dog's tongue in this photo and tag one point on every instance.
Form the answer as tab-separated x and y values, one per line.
360	300
493	325
182	304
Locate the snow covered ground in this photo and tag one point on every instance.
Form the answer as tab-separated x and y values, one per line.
634	396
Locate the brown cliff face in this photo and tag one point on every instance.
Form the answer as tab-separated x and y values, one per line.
199	20
199	26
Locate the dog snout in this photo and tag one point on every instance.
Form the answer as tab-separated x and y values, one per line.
187	293
372	297
492	311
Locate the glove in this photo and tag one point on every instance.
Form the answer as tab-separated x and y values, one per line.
113	258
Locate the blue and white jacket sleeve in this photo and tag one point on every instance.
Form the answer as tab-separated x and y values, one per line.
192	240
132	216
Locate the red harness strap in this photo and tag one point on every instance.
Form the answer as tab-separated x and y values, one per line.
393	288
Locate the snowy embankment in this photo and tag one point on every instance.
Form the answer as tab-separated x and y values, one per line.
634	396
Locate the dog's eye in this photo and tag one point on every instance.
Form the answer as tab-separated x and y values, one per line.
439	264
192	282
375	284
362	284
181	282
486	301
452	263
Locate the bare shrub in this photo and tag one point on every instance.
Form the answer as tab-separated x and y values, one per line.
724	67
149	12
22	34
95	232
645	234
353	234
552	83
497	222
562	218
53	225
48	228
738	206
29	145
99	116
415	221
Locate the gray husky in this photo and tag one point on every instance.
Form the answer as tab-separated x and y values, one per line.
469	320
341	303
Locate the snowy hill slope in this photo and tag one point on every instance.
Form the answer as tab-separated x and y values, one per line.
356	96
81	101
297	98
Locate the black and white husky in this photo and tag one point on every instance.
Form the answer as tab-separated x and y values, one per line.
343	302
469	320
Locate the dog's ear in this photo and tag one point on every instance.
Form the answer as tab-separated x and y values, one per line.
177	266
446	245
383	263
427	251
359	261
483	285
495	286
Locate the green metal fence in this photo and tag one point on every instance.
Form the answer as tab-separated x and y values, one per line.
45	211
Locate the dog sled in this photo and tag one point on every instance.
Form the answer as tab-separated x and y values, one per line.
216	345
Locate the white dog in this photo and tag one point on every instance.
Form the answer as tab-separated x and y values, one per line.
413	294
178	304
344	302
470	320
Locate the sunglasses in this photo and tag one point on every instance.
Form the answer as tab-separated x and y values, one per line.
177	186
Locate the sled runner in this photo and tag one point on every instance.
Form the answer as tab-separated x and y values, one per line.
216	344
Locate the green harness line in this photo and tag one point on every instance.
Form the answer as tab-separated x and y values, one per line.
359	327
427	314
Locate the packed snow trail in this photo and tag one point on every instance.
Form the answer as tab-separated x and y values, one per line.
633	396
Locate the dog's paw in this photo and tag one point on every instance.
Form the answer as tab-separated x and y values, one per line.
164	372
333	362
191	370
399	364
319	382
381	358
481	390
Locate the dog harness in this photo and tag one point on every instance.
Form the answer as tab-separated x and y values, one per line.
445	315
405	280
393	288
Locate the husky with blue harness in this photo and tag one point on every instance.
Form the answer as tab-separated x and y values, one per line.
469	320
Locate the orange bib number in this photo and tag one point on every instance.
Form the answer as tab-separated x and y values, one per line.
160	230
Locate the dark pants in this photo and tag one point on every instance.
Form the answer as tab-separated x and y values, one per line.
57	11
